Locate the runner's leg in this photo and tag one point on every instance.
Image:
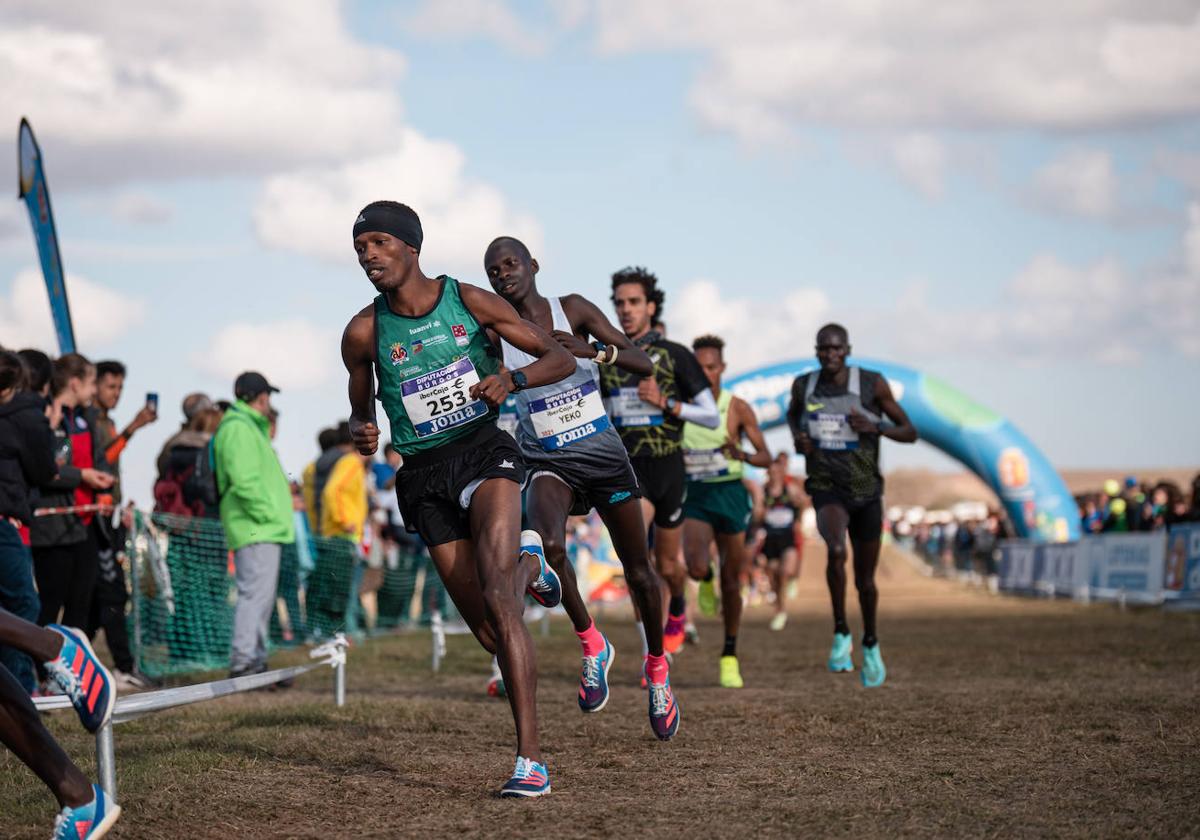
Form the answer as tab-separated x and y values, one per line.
628	533
832	521
496	527
733	558
547	504
866	560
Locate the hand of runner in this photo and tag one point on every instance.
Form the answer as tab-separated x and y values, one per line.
493	390
804	444
574	345
649	391
861	424
365	435
732	451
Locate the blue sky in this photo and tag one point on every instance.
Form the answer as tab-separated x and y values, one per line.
1010	201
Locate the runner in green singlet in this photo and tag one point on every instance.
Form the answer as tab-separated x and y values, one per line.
431	343
717	506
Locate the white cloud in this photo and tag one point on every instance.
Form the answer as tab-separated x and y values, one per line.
920	158
292	354
141	208
755	331
1082	183
491	19
924	63
148	89
14	220
1191	241
313	211
99	313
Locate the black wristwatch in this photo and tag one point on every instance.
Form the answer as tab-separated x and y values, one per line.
670	404
601	349
520	383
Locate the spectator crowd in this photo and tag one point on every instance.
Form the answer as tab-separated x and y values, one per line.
1133	505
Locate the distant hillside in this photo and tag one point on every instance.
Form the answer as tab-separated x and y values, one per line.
936	489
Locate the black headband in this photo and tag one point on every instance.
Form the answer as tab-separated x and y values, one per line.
396	220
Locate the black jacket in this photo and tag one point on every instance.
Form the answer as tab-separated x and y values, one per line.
58	528
26	454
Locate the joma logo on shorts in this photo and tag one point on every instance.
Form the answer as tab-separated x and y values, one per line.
575	434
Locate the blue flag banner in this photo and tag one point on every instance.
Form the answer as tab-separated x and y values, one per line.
32	188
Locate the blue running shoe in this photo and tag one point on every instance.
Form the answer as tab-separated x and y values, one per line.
546	588
529	779
839	654
873	673
664	710
81	677
593	682
87	822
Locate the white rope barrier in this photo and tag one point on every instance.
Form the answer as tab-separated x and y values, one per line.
332	654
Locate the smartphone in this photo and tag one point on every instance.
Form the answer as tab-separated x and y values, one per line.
152	401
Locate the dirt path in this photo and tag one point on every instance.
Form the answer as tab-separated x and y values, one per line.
1000	717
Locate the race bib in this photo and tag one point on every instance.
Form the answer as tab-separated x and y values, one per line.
832	431
780	517
441	399
568	416
705	463
628	409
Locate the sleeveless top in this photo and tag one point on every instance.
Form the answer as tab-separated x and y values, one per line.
842	462
426	366
779	512
565	419
702	456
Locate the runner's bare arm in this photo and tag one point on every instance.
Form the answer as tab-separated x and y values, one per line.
358	355
903	431
588	320
795	419
496	314
747	424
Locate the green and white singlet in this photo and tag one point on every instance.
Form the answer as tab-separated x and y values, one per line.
427	365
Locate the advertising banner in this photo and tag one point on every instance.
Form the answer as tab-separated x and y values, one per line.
1181	573
1126	566
32	188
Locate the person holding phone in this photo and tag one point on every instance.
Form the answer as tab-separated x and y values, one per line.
110	596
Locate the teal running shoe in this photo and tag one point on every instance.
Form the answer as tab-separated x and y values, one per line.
839	654
873	673
81	676
87	822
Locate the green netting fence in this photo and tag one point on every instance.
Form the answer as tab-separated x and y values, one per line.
183	593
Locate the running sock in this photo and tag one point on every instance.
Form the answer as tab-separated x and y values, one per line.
840	626
641	628
730	648
677	606
656	669
592	641
496	668
870	641
708	576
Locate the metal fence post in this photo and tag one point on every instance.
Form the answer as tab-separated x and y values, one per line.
339	683
438	632
106	760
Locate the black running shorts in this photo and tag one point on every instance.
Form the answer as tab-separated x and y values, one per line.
664	485
591	488
775	544
866	515
430	485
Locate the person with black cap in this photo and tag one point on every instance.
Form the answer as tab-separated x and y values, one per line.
256	512
432	343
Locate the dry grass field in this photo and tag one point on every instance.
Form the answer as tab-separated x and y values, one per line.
1000	717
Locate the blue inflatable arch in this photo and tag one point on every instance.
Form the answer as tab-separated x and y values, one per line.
1033	493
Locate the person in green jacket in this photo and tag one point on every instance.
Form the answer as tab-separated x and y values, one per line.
256	512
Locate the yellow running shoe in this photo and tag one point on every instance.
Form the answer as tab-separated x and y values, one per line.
706	597
779	621
731	676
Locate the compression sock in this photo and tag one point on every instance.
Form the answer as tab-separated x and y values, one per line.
730	648
656	669
641	628
592	641
840	626
870	641
677	605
